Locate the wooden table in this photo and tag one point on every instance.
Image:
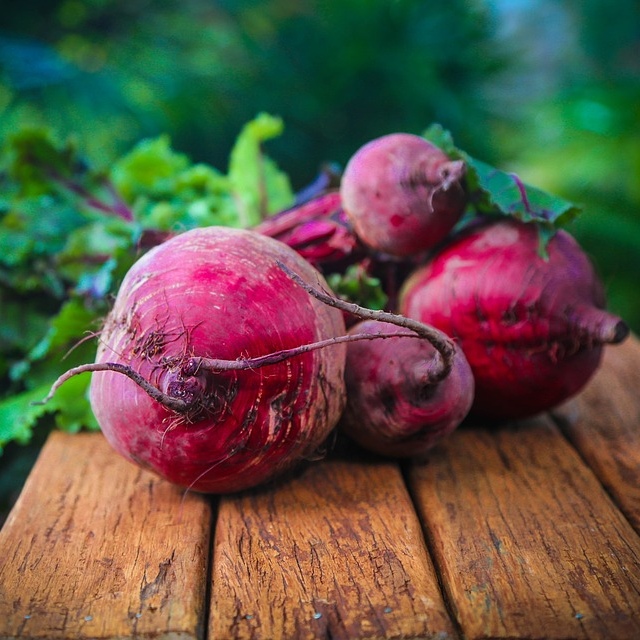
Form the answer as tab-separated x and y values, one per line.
526	530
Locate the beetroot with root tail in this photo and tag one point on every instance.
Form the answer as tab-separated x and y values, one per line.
531	327
402	194
221	364
396	404
226	424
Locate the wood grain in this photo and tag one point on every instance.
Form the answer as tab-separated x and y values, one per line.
528	543
335	553
96	548
603	423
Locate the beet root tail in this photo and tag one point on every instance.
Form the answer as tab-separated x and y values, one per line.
602	327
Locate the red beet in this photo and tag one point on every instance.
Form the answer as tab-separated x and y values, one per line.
396	406
221	364
402	194
218	293
531	328
318	230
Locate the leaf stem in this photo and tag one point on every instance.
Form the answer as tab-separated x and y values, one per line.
119	207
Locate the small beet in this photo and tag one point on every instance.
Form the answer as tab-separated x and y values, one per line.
531	327
396	406
402	194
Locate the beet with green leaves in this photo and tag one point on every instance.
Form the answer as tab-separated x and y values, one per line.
531	327
402	194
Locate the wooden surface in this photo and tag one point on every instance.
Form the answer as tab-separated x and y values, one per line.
603	424
336	553
96	548
526	539
525	530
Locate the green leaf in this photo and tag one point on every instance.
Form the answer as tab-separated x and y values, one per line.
505	193
40	165
35	227
356	285
36	157
151	167
24	322
441	137
69	325
170	193
496	192
46	360
258	187
72	406
18	415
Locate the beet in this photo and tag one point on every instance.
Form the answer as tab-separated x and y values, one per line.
218	293
221	364
402	194
318	230
395	404
532	328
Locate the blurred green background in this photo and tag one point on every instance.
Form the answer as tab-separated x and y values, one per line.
549	89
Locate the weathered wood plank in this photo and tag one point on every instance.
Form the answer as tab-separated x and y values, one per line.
603	423
337	552
527	541
95	548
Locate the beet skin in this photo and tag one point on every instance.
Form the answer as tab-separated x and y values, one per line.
395	404
532	328
219	293
402	194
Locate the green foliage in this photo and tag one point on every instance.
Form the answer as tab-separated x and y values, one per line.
170	192
495	192
114	72
19	414
248	168
356	285
69	232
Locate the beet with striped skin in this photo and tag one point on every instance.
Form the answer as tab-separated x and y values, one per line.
318	230
531	328
218	293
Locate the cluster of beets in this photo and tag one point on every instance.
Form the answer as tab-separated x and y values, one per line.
239	360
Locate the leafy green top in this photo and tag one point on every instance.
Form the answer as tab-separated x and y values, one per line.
68	233
495	192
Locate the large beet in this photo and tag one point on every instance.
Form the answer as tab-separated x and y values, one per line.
218	293
531	328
